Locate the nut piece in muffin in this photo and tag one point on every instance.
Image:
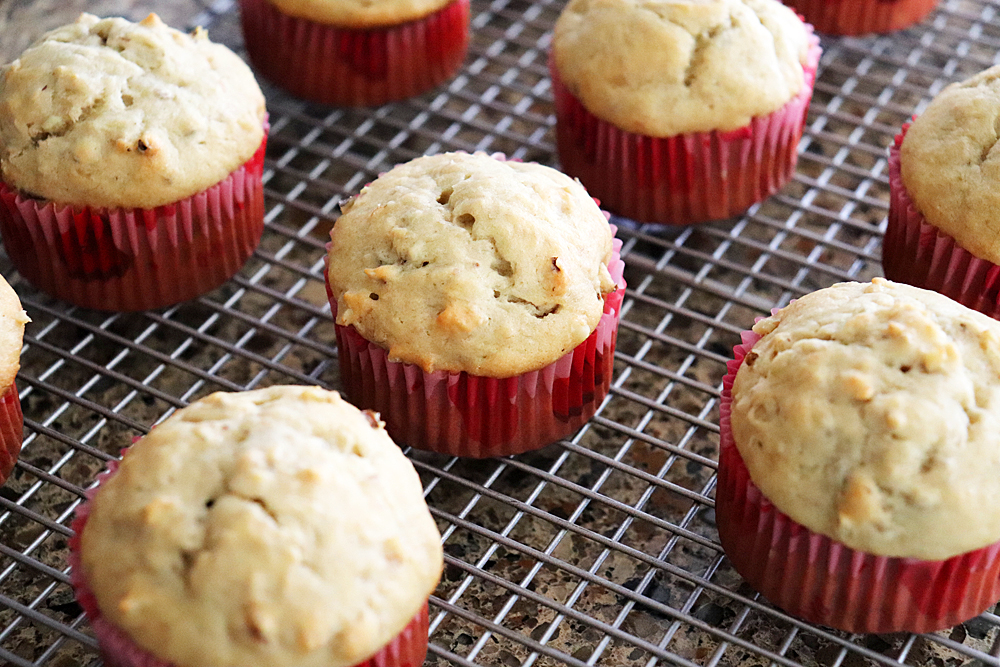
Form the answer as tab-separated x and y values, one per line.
468	264
356	52
153	138
725	72
864	418
944	177
274	527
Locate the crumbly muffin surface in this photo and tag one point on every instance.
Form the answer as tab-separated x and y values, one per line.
359	13
464	262
275	527
870	413
108	113
12	321
950	163
668	67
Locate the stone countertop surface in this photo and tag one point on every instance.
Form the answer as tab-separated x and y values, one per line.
22	21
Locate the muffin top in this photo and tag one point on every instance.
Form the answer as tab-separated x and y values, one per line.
464	262
668	67
359	13
950	163
273	527
12	321
108	113
870	413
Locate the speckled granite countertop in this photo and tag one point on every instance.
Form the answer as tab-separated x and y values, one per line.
599	550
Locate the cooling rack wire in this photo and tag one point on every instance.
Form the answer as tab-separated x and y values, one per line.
598	550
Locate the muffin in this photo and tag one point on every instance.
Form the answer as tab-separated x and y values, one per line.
857	17
476	303
681	111
12	321
356	52
273	527
131	158
859	459
944	178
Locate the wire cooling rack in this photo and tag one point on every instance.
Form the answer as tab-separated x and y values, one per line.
598	550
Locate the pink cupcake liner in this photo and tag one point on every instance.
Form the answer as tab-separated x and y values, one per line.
686	178
11	431
137	259
825	582
919	254
469	415
849	17
355	67
407	649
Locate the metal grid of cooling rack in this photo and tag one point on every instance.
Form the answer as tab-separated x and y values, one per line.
597	550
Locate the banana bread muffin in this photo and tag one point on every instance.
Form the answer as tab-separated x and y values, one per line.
273	527
485	279
131	156
859	448
12	321
944	178
700	102
356	52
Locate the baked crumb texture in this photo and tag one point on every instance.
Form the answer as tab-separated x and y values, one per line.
464	262
856	495
949	161
870	413
662	68
274	527
109	113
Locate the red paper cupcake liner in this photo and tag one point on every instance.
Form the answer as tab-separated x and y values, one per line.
825	582
11	431
136	259
849	17
355	67
919	254
407	649
469	415
687	178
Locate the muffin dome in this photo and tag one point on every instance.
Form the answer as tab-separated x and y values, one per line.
274	527
870	413
462	262
950	163
668	67
109	113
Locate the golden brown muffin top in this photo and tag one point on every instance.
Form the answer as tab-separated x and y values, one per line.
273	527
359	13
108	113
669	67
464	262
950	163
870	413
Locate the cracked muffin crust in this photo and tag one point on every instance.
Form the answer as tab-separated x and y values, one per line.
463	262
273	527
869	413
108	113
949	161
667	67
